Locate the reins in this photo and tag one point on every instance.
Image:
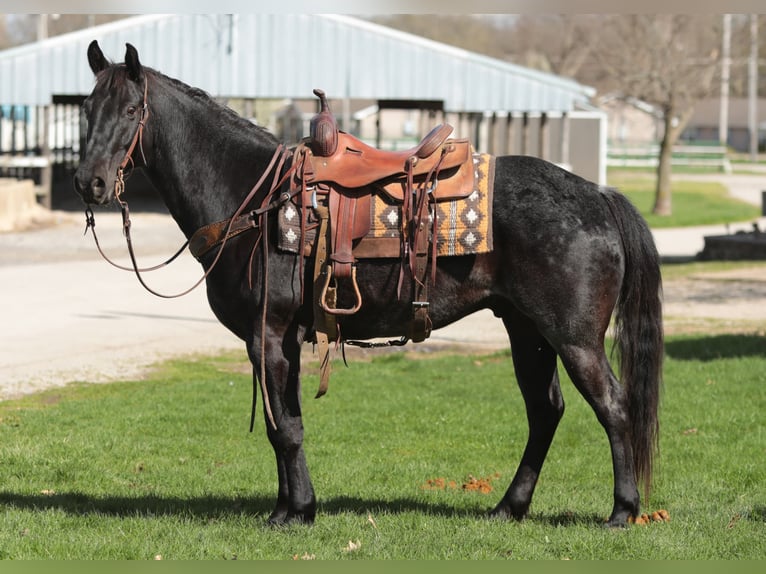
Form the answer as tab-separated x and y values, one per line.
90	224
255	220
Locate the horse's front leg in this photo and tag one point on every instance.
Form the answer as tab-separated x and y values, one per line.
296	501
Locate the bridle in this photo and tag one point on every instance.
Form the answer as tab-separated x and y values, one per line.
119	188
138	138
279	157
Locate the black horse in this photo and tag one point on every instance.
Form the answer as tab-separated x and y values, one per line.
568	255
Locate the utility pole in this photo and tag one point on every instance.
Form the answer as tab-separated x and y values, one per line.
723	123
42	27
752	115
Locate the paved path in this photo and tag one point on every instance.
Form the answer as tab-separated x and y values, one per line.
82	319
689	241
67	315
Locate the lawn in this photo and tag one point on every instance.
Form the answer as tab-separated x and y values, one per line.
694	202
165	467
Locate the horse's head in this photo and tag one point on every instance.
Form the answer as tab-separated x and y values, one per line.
115	113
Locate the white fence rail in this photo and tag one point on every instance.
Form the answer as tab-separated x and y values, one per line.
683	155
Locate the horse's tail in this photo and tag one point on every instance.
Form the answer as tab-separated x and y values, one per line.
639	333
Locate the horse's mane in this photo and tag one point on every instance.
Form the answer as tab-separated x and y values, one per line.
116	75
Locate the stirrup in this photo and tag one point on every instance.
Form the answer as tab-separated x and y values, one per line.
326	306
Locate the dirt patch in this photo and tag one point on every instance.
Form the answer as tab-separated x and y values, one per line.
732	301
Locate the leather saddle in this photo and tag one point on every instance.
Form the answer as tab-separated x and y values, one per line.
339	172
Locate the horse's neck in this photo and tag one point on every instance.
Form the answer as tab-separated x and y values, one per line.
204	161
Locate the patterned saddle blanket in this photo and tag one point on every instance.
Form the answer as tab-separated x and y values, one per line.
463	224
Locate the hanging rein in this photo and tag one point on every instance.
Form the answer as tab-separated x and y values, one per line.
255	219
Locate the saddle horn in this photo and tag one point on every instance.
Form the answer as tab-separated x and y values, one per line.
323	129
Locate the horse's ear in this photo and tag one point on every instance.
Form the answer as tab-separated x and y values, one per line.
96	57
135	69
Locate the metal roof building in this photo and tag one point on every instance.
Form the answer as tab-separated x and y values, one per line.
503	108
286	56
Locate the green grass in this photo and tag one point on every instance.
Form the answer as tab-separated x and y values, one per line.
694	202
166	466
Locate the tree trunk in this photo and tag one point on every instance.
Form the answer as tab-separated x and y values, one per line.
674	123
663	198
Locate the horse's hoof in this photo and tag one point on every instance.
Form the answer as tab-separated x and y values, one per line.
275	522
616	525
500	512
620	520
282	520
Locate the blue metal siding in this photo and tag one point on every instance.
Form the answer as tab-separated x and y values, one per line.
286	56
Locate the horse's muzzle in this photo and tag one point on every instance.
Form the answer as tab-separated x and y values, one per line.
92	191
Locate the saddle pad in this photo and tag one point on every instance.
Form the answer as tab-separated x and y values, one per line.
464	226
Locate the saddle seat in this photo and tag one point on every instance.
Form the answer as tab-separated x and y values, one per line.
355	164
378	163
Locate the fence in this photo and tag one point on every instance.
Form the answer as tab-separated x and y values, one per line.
705	156
39	143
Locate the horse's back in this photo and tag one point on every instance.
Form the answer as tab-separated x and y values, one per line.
557	240
548	204
547	192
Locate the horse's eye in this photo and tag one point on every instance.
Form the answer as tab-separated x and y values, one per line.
131	111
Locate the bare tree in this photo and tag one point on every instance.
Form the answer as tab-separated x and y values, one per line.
486	35
558	43
670	61
667	60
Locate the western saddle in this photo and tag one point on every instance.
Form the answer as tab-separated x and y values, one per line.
337	175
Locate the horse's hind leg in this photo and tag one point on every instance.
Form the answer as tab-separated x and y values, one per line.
591	373
535	366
